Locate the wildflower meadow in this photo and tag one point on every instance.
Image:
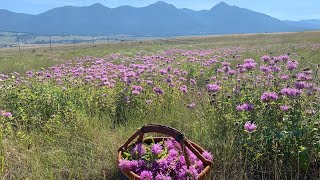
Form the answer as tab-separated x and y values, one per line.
255	111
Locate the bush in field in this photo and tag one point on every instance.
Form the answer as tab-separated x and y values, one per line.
266	109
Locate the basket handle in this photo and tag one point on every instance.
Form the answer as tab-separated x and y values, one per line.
169	131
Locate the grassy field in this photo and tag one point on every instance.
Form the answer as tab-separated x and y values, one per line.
36	57
71	129
10	39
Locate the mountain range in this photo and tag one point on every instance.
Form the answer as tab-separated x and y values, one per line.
158	19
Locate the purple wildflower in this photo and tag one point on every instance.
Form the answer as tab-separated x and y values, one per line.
225	64
249	64
185	173
163	71
285	57
137	88
161	176
149	82
169	68
207	155
184	89
199	166
158	91
250	126
173	153
193	82
192	105
213	87
245	107
284	77
169	144
126	165
156	149
285	108
146	175
135	92
269	96
265	69
148	102
168	80
7	114
138	150
290	92
300	85
291	65
265	58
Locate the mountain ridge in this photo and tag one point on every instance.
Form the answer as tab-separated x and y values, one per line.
157	19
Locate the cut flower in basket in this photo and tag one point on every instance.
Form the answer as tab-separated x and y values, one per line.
163	160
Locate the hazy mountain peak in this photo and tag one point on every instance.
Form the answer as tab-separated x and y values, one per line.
221	4
97	5
162	4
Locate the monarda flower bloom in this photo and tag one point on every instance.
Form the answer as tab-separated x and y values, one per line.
149	82
163	71
193	82
156	149
184	89
285	108
137	88
292	65
265	69
192	105
276	69
135	92
185	173
290	92
161	176
146	175
300	85
207	155
158	91
249	64
213	88
231	72
269	96
265	58
250	126
245	107
304	77
225	64
139	150
126	165
285	57
182	79
284	77
148	102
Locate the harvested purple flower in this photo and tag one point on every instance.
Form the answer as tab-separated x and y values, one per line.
156	149
146	175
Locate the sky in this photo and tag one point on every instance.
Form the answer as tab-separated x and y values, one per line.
281	9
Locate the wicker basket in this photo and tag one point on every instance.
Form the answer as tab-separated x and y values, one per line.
171	132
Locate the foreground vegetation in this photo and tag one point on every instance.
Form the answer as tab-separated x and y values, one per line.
252	100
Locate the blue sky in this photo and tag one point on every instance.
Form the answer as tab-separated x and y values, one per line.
282	9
